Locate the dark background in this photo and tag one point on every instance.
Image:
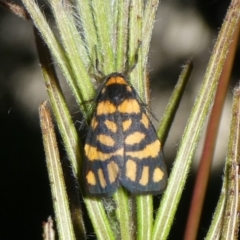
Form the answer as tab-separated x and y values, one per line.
183	29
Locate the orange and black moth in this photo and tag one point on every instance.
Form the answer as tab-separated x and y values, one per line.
122	147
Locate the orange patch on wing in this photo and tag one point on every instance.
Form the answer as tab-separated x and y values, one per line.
105	107
145	120
145	176
102	180
113	169
112	126
134	138
158	175
151	150
126	124
91	178
131	170
129	106
94	123
93	154
106	140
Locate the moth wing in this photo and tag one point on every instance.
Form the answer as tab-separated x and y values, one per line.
144	168
103	156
